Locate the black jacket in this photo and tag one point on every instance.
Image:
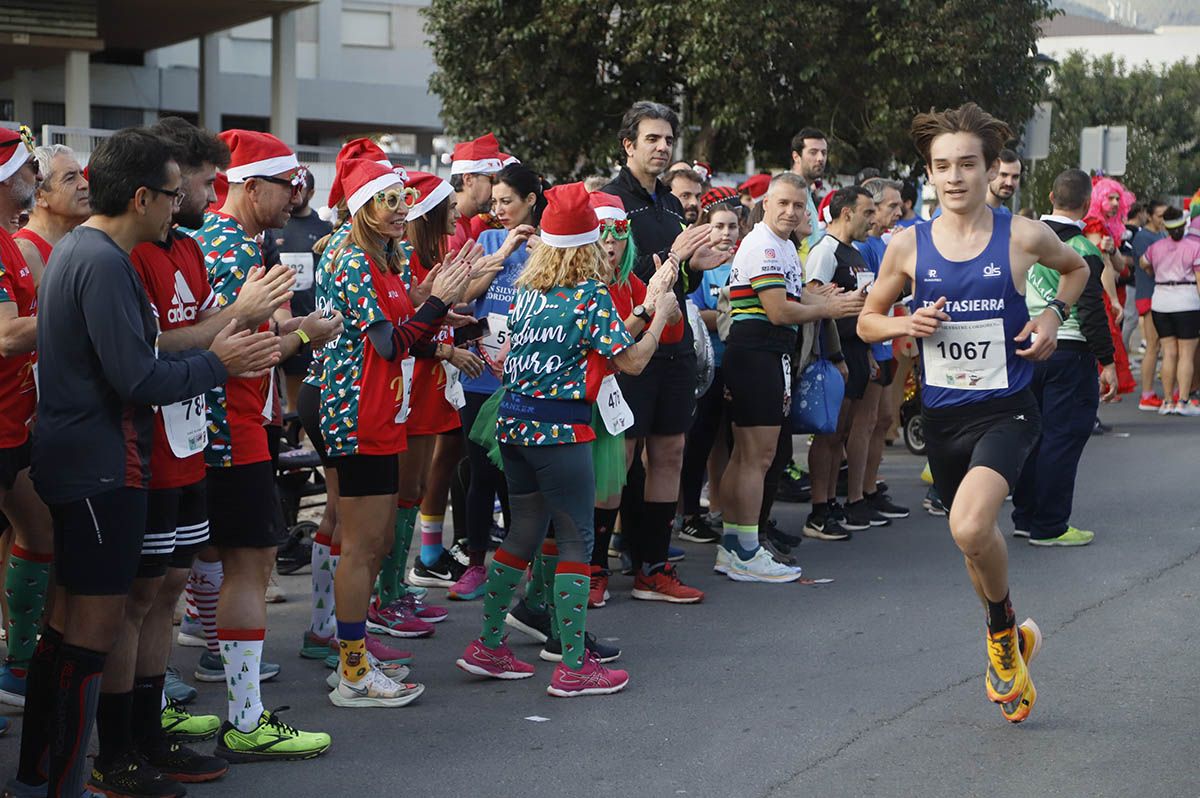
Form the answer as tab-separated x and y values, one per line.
655	222
1093	316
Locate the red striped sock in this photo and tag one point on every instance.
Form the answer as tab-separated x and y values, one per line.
205	582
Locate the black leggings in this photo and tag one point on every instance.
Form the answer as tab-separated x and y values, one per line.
711	421
487	481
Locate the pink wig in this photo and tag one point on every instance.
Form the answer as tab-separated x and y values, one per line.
1102	187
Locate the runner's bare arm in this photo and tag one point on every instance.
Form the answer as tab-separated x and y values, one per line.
33	259
18	334
895	271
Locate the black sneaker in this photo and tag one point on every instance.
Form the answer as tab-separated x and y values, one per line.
824	527
837	512
130	775
933	503
696	530
443	573
883	504
782	554
181	763
296	552
530	622
860	515
778	536
552	651
798	489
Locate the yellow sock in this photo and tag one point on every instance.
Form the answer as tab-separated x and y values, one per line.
353	655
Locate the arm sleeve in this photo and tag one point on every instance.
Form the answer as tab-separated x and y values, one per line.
395	343
112	312
1093	317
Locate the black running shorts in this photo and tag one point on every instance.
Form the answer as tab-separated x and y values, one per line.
13	461
98	542
242	506
176	528
998	434
662	397
858	367
367	474
754	386
1183	324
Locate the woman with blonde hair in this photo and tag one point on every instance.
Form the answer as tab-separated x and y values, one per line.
364	398
563	328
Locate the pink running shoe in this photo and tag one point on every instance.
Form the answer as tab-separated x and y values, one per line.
471	585
498	663
396	621
386	654
592	679
417	607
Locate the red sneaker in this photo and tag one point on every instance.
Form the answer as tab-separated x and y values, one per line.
1150	402
498	663
598	593
592	679
429	613
396	621
665	586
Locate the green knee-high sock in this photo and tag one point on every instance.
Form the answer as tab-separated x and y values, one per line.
25	586
549	567
571	583
504	575
535	591
391	572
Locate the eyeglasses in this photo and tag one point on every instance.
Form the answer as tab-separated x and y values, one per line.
176	196
616	228
393	198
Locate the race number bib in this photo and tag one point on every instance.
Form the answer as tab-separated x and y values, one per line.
864	279
186	424
497	335
966	356
786	361
616	413
301	264
406	375
454	389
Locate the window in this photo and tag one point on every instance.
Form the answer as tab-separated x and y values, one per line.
366	28
259	30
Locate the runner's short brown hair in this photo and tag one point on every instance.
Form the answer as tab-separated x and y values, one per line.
992	133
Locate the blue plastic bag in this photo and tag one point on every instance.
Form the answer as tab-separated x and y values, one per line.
817	397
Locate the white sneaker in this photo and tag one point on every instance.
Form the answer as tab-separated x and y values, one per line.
721	566
1020	533
762	567
375	690
1188	408
395	672
1166	409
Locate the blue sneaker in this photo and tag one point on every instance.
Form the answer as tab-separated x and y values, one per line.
177	689
12	686
210	669
675	554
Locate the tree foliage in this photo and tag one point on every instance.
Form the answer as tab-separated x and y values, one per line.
1158	105
552	79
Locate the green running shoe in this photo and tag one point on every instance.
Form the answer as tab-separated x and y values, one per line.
314	647
1072	537
271	740
180	725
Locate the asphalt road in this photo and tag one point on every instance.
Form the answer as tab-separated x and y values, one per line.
869	686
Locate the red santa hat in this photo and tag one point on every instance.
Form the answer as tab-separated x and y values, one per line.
569	220
355	149
364	179
431	190
704	170
16	148
479	157
508	160
255	154
756	186
824	215
221	188
607	206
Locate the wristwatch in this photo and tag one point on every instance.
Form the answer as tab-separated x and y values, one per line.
1061	308
641	313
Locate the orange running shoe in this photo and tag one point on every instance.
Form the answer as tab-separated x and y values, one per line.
1006	673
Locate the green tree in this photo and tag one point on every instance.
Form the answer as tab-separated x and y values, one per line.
1158	105
551	79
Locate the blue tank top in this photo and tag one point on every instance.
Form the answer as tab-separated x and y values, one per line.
980	298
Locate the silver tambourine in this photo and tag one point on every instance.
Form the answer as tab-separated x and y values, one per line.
705	362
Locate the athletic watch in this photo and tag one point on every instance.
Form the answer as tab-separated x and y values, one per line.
1061	308
640	312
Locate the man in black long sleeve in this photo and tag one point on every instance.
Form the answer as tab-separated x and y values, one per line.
99	375
1065	384
663	396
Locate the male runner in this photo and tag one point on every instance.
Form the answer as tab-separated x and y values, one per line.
60	204
810	155
978	345
1008	178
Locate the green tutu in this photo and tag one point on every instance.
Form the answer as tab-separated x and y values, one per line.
608	451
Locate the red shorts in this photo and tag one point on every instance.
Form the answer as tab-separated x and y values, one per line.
1143	306
429	412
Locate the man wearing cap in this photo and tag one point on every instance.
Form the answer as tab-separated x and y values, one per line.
60	204
28	569
241	491
472	170
663	396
